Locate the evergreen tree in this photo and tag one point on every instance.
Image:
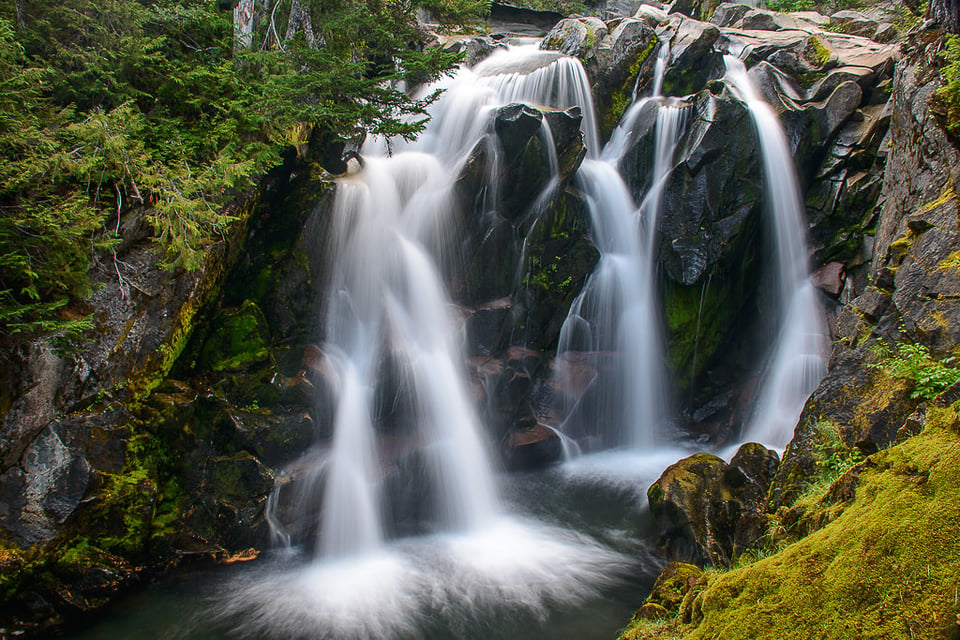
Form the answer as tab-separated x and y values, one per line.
107	105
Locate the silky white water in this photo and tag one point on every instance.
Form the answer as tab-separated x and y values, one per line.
615	320
798	359
386	301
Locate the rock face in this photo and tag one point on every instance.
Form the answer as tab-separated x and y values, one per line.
709	511
906	293
154	441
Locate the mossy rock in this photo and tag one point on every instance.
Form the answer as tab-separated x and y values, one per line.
707	510
877	570
240	337
672	585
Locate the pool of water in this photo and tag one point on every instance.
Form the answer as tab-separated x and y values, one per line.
571	559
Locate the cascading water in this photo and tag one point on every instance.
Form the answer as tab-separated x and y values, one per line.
798	361
386	298
616	311
386	303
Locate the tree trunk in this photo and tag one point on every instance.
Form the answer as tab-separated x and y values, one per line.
243	24
946	13
300	21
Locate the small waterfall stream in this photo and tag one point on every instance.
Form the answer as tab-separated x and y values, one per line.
617	312
798	359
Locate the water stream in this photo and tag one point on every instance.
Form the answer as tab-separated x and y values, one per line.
798	359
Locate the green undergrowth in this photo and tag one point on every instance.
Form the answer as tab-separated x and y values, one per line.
947	97
914	363
886	566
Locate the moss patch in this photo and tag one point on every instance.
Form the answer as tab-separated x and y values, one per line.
240	338
886	567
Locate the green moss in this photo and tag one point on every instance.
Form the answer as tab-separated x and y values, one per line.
886	567
697	319
817	52
239	338
616	99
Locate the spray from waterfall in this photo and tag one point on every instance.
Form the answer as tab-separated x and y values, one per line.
798	360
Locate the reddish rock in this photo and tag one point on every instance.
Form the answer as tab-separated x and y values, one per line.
532	448
830	278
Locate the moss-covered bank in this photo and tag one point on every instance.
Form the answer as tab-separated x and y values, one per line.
887	565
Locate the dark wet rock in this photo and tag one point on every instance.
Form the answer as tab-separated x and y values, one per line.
621	57
559	259
694	60
532	448
487	327
709	511
696	9
229	507
710	218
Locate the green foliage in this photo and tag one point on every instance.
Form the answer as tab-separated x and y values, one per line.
948	95
832	455
787	6
913	362
111	108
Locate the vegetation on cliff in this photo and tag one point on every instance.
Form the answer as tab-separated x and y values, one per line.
109	108
885	564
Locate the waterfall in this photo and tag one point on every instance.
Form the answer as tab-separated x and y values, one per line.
617	310
798	360
616	313
393	339
386	302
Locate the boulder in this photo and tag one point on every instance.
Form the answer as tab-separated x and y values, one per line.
709	511
853	23
45	490
651	15
696	9
474	49
694	59
729	14
532	448
576	37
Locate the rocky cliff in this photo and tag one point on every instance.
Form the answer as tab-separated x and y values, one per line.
852	534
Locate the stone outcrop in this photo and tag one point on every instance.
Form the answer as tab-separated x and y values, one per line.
709	511
155	440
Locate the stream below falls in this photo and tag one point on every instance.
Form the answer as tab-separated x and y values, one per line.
571	558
